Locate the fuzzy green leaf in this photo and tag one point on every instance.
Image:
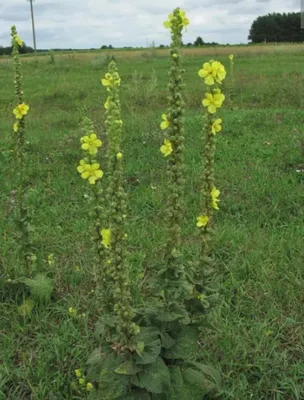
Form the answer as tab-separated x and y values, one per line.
197	379
150	353
41	286
155	377
127	368
167	341
186	346
210	372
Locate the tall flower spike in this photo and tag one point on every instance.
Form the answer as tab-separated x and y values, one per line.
20	111
118	290
213	73
173	149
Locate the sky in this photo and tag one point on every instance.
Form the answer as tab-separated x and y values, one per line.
85	24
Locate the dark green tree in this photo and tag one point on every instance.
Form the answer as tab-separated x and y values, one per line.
198	41
276	27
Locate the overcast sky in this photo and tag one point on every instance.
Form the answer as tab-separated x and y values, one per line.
92	23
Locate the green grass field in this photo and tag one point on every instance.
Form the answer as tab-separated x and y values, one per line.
258	342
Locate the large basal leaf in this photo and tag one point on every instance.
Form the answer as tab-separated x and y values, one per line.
101	361
41	286
186	345
197	379
138	395
127	368
150	353
167	341
155	377
209	372
112	386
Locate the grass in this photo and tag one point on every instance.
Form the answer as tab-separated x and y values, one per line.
258	341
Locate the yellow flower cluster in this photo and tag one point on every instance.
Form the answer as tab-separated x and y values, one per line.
212	71
213	100
82	380
106	237
92	172
166	148
184	20
18	40
91	143
110	80
20	111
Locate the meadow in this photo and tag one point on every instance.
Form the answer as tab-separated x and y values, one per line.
257	340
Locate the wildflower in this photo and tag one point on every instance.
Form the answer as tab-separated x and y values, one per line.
119	156
110	80
90	171
78	373
89	386
16	127
166	148
107	104
185	21
216	126
73	311
21	110
214	197
18	40
202	220
77	268
51	259
212	72
81	381
165	123
213	101
106	237
174	55
231	57
91	143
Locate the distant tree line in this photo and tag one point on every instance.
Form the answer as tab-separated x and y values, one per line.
276	27
22	50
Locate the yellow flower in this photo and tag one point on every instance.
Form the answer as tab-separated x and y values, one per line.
107	104
185	21
213	101
90	171
18	40
231	57
16	127
81	381
51	259
166	148
214	197
78	373
165	123
119	156
174	55
73	311
91	143
106	237
212	72
110	80
202	220
21	110
216	126
89	386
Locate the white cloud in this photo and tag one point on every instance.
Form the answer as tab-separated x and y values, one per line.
92	23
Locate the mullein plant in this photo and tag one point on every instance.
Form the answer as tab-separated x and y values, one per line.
20	112
90	170
151	352
232	80
173	274
213	73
